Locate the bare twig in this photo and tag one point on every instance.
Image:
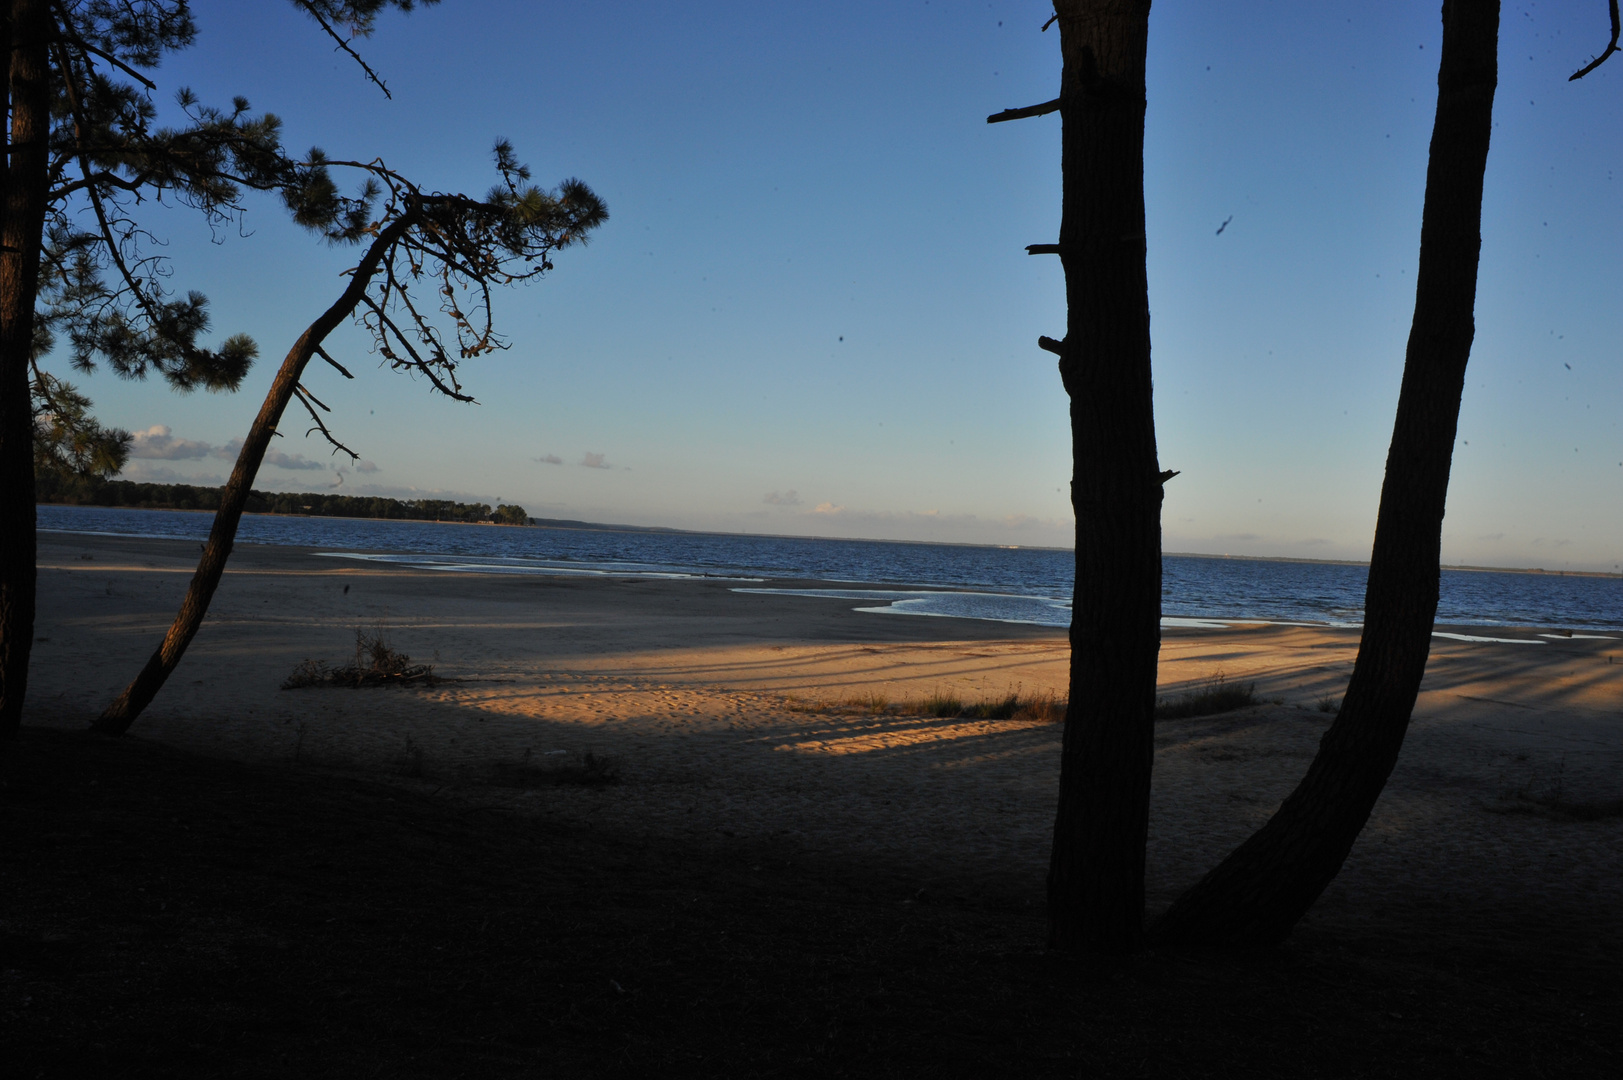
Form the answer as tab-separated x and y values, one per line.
1020	114
343	45
305	390
1611	47
1050	345
341	369
302	394
1042	249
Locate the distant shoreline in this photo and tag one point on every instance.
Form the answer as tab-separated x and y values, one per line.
575	525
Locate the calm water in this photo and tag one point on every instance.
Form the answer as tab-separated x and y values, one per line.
1022	584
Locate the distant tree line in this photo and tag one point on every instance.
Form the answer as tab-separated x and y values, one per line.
93	491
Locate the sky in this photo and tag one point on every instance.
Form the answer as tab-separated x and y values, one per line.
811	311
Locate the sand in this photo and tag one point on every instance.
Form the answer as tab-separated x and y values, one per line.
715	710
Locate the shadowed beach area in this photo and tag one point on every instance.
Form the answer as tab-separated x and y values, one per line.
746	748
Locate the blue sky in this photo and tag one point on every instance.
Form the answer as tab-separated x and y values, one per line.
811	311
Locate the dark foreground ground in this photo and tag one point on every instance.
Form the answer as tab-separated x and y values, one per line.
167	914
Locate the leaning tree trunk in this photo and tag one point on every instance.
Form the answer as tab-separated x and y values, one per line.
1096	870
1258	893
25	40
117	717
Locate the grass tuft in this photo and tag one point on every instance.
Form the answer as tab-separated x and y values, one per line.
1217	696
943	706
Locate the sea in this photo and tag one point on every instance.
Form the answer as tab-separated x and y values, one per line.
965	581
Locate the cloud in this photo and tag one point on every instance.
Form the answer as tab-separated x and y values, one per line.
788	498
292	461
159	442
146	474
366	467
828	509
595	461
550	459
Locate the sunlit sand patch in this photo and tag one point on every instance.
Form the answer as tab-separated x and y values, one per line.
902	734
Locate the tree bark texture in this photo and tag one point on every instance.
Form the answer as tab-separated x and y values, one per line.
118	716
1259	892
1096	869
22	204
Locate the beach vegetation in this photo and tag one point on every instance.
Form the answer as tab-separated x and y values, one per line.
376	663
1216	695
943	705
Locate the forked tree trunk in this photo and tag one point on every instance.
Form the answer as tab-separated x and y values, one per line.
118	716
25	38
1258	893
1096	869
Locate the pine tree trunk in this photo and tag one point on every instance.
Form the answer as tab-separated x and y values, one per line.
1259	892
27	38
1096	871
118	716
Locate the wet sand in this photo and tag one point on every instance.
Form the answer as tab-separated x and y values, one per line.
713	707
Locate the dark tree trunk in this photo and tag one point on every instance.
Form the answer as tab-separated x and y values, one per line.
1096	871
26	36
118	716
1258	893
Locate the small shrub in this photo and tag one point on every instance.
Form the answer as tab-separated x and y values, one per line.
1217	696
1328	704
376	663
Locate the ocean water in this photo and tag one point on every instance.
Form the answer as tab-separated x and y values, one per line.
944	580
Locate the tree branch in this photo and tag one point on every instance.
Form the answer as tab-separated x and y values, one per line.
309	9
1611	47
341	369
1020	114
1042	249
113	252
305	390
300	393
1050	345
65	24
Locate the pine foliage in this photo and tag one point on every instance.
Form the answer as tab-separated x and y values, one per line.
103	288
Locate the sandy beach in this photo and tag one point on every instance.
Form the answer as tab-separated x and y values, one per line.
727	717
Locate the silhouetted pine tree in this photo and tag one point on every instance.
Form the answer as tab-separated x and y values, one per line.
85	148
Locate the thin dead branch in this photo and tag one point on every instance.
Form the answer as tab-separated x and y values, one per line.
1611	47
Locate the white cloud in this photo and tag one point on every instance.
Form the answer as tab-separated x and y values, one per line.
788	498
595	461
159	442
142	473
292	461
366	467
